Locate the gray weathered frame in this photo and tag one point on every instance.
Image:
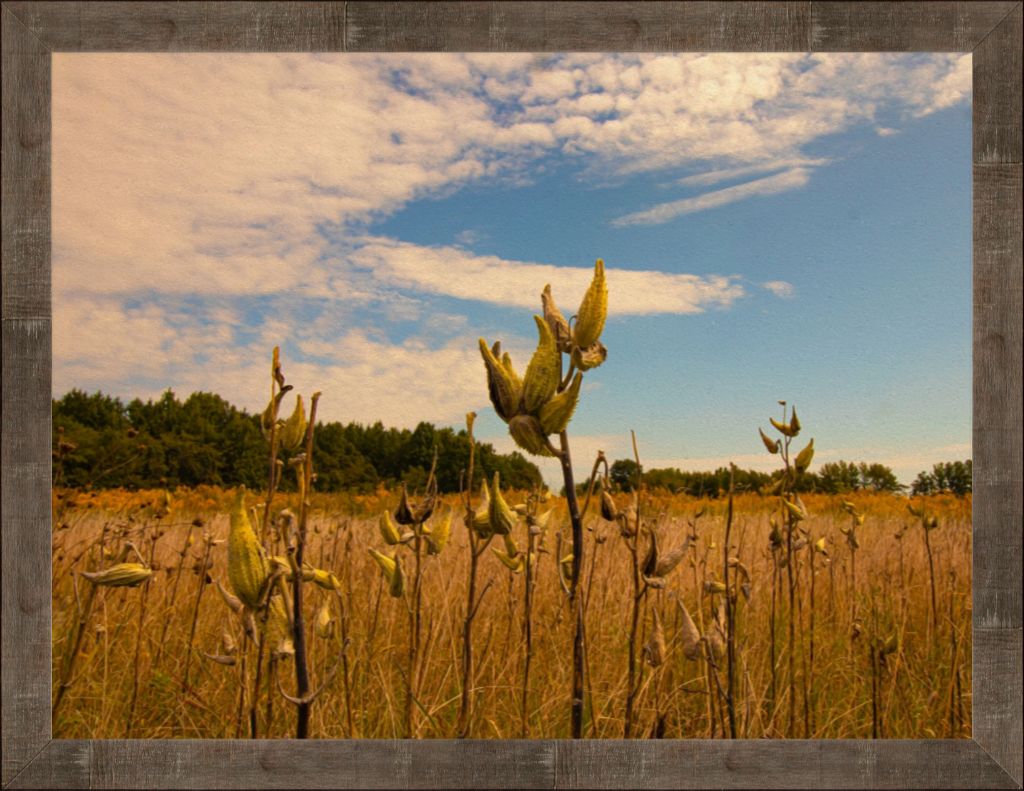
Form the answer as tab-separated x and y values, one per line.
990	30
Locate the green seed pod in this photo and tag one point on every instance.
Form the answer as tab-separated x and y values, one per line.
501	517
795	510
528	435
438	537
123	575
609	511
794	423
388	530
386	563
397	586
593	310
772	445
556	321
514	564
293	432
541	380
248	568
803	458
782	428
503	389
589	357
324	625
482	515
510	545
555	414
320	578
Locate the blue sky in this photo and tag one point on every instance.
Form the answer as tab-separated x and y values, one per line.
774	226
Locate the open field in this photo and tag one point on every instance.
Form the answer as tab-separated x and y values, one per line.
887	654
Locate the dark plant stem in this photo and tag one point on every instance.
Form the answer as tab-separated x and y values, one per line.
301	666
575	597
730	615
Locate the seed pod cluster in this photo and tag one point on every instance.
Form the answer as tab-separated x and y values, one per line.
540	405
248	567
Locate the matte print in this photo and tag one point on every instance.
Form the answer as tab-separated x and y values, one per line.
512	396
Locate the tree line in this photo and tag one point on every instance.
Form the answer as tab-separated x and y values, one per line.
102	442
836	477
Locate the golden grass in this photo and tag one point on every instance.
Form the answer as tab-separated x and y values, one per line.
138	638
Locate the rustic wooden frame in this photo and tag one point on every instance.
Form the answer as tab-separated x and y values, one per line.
990	30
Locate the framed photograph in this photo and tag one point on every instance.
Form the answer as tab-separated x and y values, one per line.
296	494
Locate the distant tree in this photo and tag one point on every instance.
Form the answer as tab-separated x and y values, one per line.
878	478
837	477
954	477
623	474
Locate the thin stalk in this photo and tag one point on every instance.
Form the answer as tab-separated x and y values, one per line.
575	596
730	614
301	668
195	613
527	635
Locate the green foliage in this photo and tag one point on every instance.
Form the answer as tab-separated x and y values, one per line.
837	477
100	442
950	476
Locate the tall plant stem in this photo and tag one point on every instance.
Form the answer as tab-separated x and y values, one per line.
301	667
730	615
414	637
464	725
575	596
195	613
527	636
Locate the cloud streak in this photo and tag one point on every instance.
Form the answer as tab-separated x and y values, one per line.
664	212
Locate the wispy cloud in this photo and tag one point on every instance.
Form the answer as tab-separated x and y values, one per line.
780	288
728	174
663	212
454	272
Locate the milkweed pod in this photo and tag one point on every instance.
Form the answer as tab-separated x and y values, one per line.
556	321
481	516
689	636
439	535
502	388
931	523
795	510
322	579
227	642
501	517
232	601
714	586
293	432
386	563
403	513
589	357
803	458
324	622
541	379
510	545
819	546
668	561
783	428
541	520
397	586
279	563
528	435
654	649
918	512
772	445
515	564
717	644
741	569
123	575
890	646
794	424
849	507
280	629
609	511
566	565
388	531
556	413
247	561
593	309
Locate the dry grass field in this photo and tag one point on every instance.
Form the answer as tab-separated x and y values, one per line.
878	642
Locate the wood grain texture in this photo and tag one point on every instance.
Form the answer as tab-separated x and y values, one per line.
998	696
998	417
26	172
63	763
322	764
576	26
185	27
25	506
32	30
997	93
918	26
848	763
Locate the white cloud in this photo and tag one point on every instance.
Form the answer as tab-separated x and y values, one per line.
780	288
886	131
454	272
663	212
715	176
